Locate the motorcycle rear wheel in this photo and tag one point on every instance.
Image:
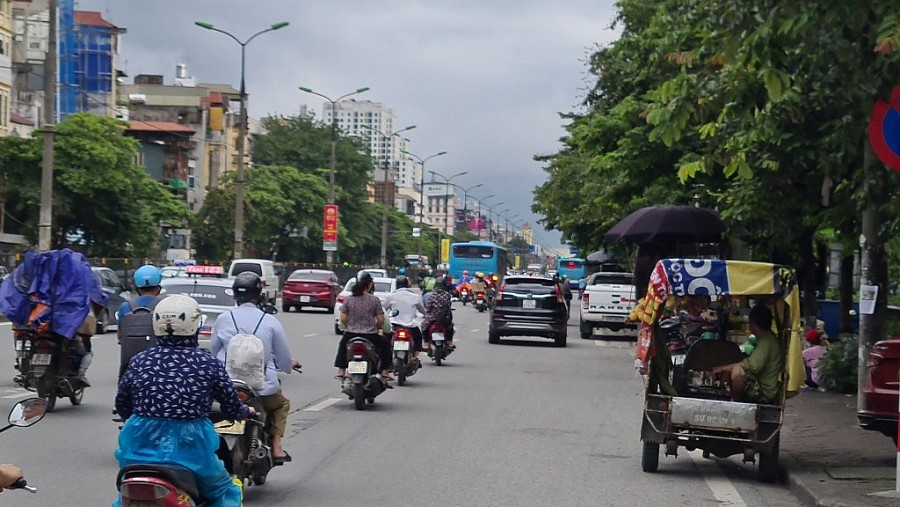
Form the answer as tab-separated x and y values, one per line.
359	399
258	479
46	388
76	397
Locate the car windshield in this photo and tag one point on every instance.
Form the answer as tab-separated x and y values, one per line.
241	267
532	285
173	272
306	275
382	286
216	295
612	279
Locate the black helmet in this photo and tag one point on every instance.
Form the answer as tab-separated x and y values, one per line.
364	277
402	282
440	282
247	287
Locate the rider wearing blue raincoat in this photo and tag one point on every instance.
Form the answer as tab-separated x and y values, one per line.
166	394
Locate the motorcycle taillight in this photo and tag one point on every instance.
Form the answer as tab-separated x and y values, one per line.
357	349
402	335
243	395
43	346
144	491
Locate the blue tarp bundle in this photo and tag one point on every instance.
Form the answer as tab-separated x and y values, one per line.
60	279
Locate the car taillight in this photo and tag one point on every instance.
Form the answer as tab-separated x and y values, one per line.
402	335
43	346
357	349
874	360
144	491
559	295
585	299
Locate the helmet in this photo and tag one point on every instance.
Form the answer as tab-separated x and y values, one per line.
402	271
402	282
176	315
465	272
479	275
364	277
147	276
448	282
247	287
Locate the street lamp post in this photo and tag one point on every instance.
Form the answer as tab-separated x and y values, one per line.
242	134
502	236
330	254
479	212
384	214
422	161
466	199
491	220
447	197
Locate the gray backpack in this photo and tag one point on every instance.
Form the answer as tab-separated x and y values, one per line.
136	332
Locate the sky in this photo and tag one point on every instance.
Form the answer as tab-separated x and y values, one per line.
483	80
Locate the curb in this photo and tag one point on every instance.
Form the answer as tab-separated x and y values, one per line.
801	482
814	487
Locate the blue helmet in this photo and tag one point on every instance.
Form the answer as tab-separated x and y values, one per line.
402	271
147	276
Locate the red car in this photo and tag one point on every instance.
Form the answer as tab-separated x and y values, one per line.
879	404
310	287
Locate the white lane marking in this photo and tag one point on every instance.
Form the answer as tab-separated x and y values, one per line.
22	394
322	405
722	489
310	335
474	330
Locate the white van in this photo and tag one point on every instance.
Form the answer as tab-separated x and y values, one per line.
266	271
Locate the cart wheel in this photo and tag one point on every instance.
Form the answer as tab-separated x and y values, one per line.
768	463
650	457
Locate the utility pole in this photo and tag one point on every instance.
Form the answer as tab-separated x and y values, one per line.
45	222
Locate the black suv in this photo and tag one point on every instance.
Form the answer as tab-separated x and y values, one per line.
529	306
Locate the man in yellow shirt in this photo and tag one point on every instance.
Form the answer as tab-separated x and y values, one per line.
757	378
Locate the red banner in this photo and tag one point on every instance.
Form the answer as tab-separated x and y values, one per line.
330	228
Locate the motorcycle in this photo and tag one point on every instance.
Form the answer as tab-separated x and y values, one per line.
24	414
49	365
148	485
361	382
464	296
480	302
406	364
439	351
244	446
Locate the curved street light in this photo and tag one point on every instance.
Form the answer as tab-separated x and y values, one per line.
479	212
447	195
384	213
242	133
421	162
331	170
466	199
491	220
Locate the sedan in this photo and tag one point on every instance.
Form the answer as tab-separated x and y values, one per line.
383	287
114	288
214	295
310	287
879	398
529	306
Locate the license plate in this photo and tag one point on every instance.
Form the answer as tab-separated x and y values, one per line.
304	299
358	367
529	303
19	344
401	345
438	337
678	359
41	359
230	427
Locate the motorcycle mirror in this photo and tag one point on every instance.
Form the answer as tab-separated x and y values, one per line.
270	309
27	412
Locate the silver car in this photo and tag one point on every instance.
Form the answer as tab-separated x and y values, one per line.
213	294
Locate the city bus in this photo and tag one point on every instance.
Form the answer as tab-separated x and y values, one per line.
573	268
475	256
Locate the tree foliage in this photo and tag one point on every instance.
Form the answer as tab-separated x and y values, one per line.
103	203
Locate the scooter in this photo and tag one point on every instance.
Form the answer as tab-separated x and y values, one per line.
152	485
361	382
24	414
439	350
406	364
480	303
49	365
464	296
244	446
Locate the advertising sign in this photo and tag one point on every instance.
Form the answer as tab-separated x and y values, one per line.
445	250
330	228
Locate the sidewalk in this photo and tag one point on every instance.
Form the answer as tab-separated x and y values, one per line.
829	459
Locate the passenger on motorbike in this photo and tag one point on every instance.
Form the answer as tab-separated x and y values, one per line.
363	316
437	309
478	285
409	305
465	278
248	317
166	395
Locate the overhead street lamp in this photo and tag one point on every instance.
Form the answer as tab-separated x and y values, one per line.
384	214
479	212
446	204
422	161
242	134
330	254
466	199
501	212
491	220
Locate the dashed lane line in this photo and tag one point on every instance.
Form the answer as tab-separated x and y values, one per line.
17	394
310	335
318	407
722	489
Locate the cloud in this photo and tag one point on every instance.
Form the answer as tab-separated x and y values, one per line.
483	80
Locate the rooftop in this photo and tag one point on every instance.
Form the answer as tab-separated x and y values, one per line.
93	18
159	126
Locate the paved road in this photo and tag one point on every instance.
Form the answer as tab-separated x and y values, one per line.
520	423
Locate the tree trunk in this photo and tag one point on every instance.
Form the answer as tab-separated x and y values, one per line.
807	274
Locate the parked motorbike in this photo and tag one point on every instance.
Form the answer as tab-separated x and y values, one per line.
406	362
49	365
361	382
439	349
24	414
480	303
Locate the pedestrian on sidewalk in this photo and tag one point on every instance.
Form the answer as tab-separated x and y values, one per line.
811	356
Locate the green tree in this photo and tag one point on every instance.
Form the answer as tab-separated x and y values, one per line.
100	195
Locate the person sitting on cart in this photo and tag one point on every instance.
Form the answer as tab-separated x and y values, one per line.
758	377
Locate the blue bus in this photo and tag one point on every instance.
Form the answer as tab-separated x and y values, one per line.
476	256
574	269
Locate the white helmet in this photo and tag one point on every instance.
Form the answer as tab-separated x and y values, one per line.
176	315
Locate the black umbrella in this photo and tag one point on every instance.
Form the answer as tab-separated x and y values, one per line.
600	257
667	223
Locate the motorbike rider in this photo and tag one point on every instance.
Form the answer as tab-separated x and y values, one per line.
437	309
427	283
478	284
362	316
147	281
247	316
465	278
166	395
409	305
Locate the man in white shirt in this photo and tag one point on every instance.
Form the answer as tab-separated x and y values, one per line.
409	307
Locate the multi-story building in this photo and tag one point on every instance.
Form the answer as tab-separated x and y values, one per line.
440	207
6	39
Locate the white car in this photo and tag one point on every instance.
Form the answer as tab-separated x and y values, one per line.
383	287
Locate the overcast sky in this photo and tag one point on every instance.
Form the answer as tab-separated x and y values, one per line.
483	80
